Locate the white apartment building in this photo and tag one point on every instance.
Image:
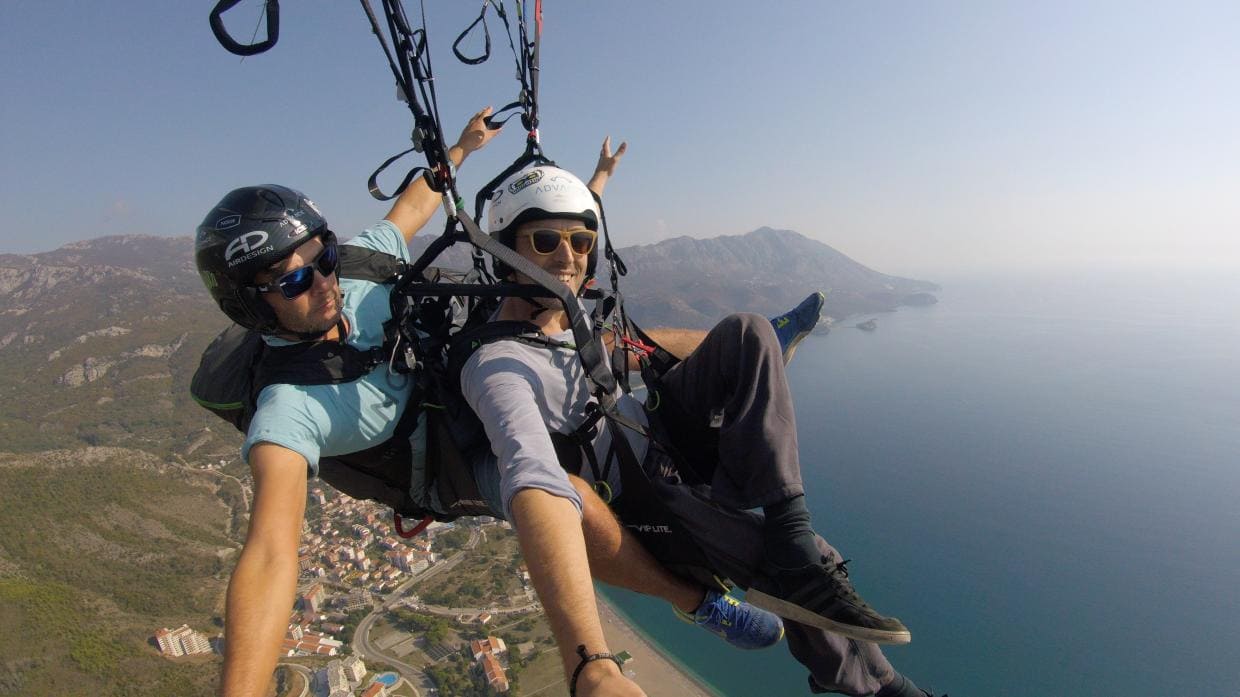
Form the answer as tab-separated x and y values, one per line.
182	641
354	669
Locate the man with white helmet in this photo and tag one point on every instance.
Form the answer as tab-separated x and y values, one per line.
730	394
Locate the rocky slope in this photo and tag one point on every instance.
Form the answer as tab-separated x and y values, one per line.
97	340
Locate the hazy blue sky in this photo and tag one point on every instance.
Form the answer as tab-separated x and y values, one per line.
914	136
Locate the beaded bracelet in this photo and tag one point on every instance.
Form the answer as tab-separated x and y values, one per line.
586	658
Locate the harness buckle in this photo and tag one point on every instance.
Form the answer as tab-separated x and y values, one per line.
637	346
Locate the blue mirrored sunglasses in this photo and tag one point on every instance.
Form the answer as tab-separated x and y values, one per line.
298	281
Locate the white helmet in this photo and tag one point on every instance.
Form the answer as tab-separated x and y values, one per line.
540	192
536	193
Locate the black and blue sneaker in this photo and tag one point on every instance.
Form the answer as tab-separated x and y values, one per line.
740	624
796	324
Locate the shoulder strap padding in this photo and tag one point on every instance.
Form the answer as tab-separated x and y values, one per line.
314	363
465	342
369	265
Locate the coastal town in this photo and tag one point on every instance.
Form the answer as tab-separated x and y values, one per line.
367	595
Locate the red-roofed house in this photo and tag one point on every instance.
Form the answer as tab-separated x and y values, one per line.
490	645
494	673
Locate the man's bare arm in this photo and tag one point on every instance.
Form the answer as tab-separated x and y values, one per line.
550	534
415	206
261	591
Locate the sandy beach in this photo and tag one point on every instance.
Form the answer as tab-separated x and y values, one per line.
657	675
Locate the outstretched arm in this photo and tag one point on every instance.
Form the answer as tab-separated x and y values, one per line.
260	593
607	162
418	202
549	531
542	505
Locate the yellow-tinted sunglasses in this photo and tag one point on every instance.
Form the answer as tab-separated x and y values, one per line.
547	240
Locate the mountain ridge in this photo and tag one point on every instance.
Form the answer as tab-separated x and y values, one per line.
99	337
693	282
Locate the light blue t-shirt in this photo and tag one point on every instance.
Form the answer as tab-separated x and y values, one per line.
324	420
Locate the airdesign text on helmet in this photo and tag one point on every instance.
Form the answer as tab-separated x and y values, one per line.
249	244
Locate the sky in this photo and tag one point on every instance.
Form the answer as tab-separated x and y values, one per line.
914	137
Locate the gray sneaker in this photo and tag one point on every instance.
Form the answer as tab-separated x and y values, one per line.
821	595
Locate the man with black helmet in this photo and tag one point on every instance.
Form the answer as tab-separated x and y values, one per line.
268	259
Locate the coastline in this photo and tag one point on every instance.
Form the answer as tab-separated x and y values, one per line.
652	668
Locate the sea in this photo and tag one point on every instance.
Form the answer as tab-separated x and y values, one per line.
1040	475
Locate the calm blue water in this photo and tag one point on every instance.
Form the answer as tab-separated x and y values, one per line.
1039	476
388	679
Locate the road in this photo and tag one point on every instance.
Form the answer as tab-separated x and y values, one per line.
307	678
454	611
367	651
245	490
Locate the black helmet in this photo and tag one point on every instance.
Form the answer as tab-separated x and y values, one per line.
244	234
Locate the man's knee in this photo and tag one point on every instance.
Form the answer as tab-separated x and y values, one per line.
750	327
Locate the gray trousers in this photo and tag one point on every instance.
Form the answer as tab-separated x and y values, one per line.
728	412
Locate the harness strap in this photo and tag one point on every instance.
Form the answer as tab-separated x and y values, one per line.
372	182
486	53
582	440
235	47
410	63
494	120
530	120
